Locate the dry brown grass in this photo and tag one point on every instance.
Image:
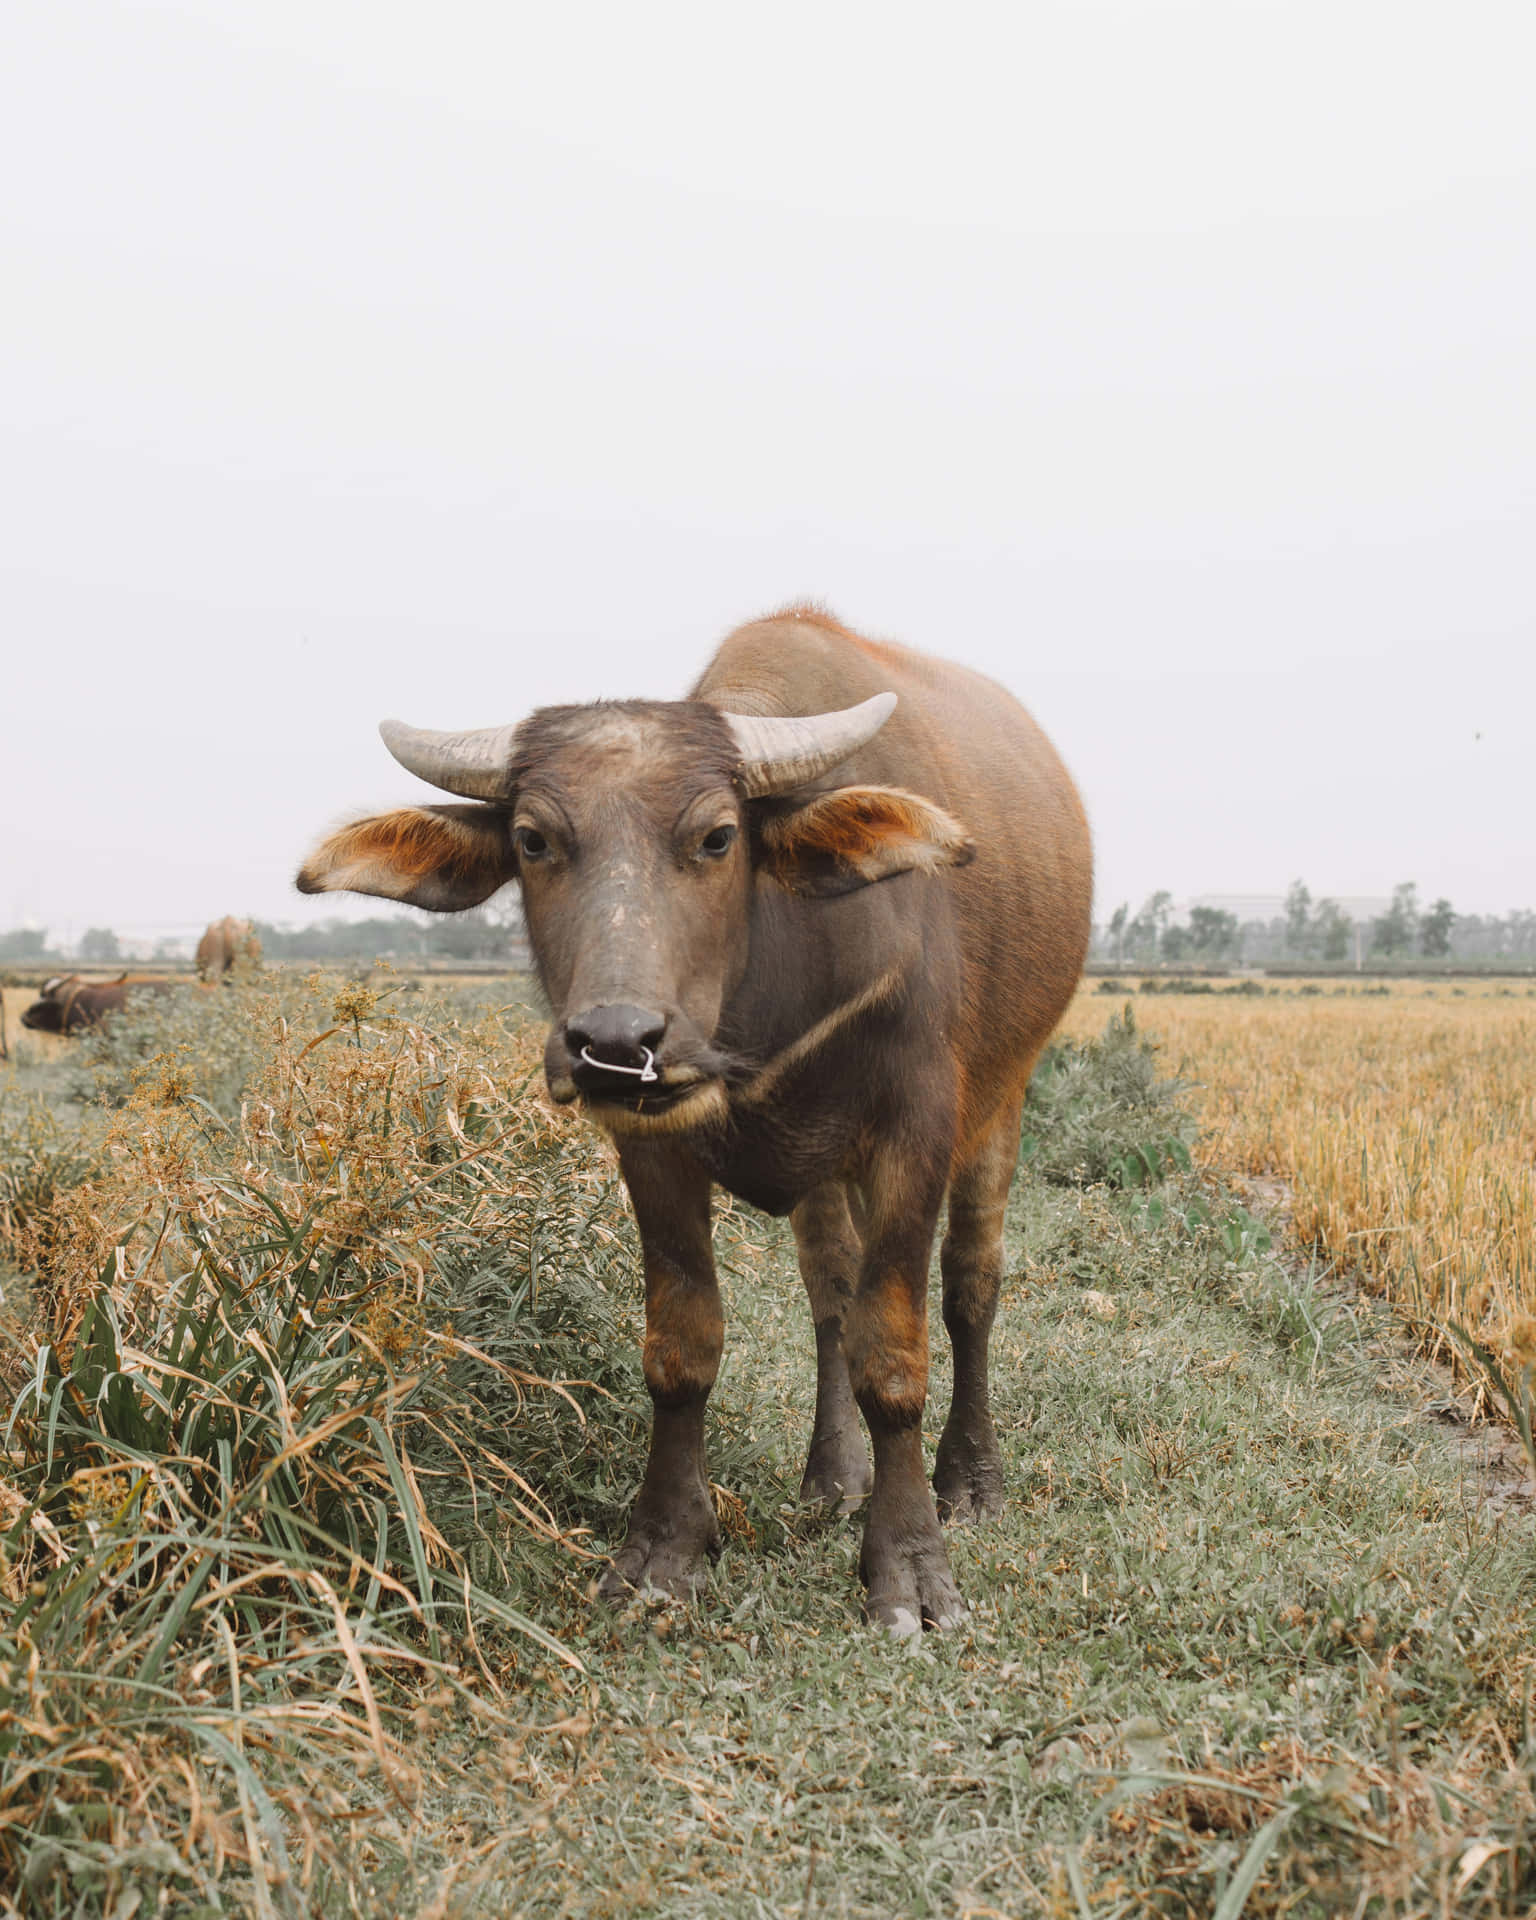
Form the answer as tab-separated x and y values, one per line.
253	1473
1404	1124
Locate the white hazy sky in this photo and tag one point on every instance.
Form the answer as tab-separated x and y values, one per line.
1175	363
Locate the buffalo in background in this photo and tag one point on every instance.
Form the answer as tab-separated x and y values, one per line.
224	945
71	1002
68	1002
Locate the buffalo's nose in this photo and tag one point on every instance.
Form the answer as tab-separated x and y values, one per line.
615	1039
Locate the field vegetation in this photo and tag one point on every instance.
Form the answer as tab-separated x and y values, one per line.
1403	1124
322	1402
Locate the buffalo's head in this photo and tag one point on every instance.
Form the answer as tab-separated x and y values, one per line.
638	831
46	1013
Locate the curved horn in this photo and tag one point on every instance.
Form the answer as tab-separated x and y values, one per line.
476	765
777	755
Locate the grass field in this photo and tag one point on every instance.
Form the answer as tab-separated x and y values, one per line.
340	1406
1403	1122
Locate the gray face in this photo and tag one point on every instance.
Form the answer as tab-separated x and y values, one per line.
632	851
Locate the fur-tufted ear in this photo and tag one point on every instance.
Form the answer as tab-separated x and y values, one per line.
855	836
441	858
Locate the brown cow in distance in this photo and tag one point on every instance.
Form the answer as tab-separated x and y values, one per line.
804	935
67	1003
224	944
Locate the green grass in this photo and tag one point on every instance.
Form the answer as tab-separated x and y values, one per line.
1251	1637
1240	1591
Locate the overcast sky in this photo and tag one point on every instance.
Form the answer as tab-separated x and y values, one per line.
1174	363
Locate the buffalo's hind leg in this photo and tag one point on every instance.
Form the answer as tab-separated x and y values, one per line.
837	1469
672	1525
968	1471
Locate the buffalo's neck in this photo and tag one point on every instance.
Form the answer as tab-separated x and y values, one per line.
810	960
848	1005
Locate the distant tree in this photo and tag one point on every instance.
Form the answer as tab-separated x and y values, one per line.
1435	930
1175	943
1298	918
1331	931
100	944
1394	932
1117	921
1519	934
399	934
23	943
491	932
483	933
465	936
1145	932
1213	934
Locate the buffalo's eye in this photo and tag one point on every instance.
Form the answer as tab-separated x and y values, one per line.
531	844
717	841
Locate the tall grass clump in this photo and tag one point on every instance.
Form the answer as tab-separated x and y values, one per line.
1101	1111
284	1360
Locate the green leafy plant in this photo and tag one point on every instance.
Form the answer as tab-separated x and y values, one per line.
1100	1112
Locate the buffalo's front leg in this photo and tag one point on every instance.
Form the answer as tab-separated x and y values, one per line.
904	1563
672	1525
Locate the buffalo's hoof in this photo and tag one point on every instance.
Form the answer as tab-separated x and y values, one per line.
668	1567
975	1494
968	1478
911	1587
838	1476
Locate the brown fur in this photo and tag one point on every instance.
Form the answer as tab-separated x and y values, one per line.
1022	906
445	858
858	835
885	1336
684	1338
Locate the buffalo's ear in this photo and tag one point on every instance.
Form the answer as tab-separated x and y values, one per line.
855	836
441	858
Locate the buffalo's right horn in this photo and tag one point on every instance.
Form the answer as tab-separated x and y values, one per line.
476	765
778	754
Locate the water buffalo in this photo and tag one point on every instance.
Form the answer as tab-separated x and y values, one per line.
67	1003
804	935
224	943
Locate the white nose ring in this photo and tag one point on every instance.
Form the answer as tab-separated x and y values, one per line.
647	1072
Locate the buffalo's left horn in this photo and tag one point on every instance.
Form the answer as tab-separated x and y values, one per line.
777	755
476	765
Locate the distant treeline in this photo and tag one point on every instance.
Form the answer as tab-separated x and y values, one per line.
1316	932
480	934
1308	932
484	933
